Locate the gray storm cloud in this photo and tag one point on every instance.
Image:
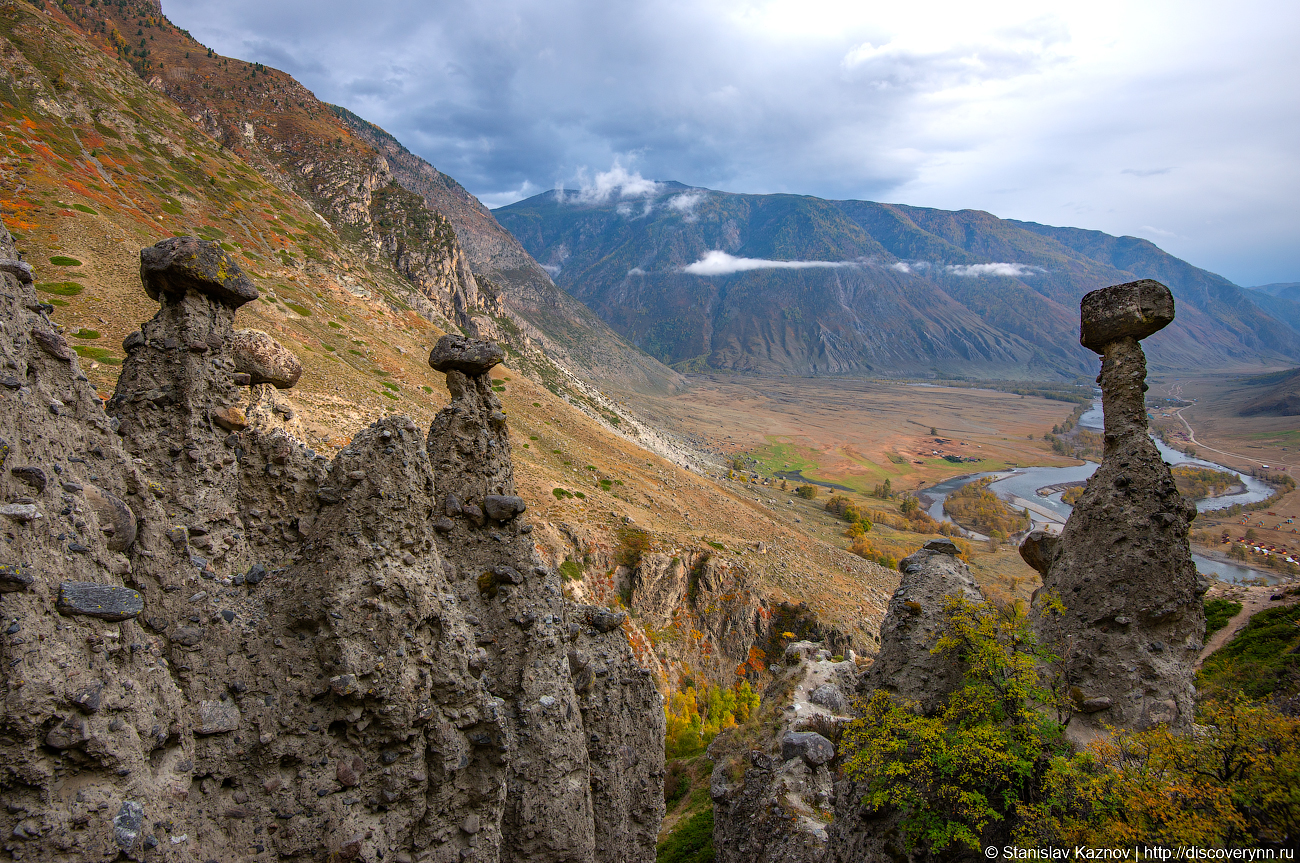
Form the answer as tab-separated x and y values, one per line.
1106	115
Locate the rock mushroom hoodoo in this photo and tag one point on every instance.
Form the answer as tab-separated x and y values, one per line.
1133	621
222	646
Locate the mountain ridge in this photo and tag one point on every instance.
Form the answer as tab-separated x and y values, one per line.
865	287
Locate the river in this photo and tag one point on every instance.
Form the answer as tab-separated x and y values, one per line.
1020	487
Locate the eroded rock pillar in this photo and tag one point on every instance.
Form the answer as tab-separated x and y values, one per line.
1132	623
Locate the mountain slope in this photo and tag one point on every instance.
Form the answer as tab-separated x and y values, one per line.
1283	303
866	287
570	328
1280	396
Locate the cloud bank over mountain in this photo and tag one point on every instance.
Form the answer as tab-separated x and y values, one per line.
1170	121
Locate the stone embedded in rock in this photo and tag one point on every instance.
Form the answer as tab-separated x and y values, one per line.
1133	309
344	684
127	824
811	746
105	601
53	344
14	578
216	717
503	507
232	419
1039	549
23	512
1094	705
20	270
115	518
349	770
507	575
187	636
90	697
33	476
606	621
263	359
173	266
471	356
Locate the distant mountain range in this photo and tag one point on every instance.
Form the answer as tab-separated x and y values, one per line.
790	284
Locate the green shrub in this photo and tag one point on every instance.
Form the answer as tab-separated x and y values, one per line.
86	334
808	492
100	355
1217	614
64	261
1262	660
299	308
570	570
992	767
691	842
84	209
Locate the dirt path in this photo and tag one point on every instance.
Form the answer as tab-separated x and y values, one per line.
1175	391
1253	600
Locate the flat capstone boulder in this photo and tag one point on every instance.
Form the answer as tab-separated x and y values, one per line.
105	601
263	359
471	356
1133	309
178	264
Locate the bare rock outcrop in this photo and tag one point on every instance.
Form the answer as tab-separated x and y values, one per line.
905	665
772	803
1133	622
232	648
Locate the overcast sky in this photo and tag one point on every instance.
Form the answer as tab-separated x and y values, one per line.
1178	122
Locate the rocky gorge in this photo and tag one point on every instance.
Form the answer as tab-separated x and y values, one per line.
222	645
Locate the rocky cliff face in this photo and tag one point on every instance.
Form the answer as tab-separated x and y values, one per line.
774	802
219	645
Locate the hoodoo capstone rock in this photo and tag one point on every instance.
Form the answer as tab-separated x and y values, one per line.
471	356
1131	310
1133	623
264	360
179	264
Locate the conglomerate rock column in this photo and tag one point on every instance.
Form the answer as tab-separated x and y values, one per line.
1133	621
218	646
530	648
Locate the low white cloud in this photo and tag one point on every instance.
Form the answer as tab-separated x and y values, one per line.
998	269
636	271
616	182
1146	172
552	270
686	201
719	263
1159	232
901	266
